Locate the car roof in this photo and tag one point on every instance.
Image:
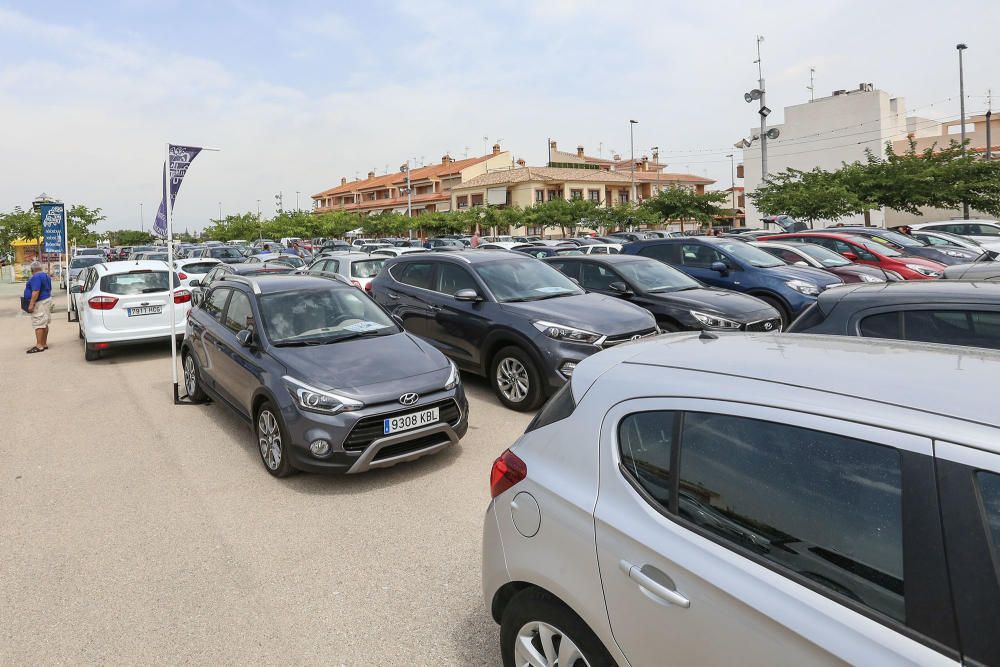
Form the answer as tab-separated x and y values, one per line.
605	259
956	378
134	265
954	221
283	282
467	256
924	292
250	267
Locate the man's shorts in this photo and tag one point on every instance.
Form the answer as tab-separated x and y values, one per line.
42	314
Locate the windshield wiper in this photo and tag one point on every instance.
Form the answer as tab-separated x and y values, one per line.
326	340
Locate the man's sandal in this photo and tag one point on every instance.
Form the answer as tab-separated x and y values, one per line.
35	349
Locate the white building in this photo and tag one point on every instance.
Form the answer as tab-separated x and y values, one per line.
828	132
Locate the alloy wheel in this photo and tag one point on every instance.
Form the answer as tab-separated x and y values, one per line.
542	645
512	379
190	376
269	439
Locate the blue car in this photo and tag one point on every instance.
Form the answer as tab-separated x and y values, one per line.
736	265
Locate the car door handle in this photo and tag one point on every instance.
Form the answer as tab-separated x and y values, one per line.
436	307
392	295
660	591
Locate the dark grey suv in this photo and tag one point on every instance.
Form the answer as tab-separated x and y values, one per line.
507	316
329	381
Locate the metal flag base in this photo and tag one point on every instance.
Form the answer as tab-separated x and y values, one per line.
185	399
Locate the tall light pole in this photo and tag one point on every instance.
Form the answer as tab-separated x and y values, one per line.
631	140
655	150
732	181
961	97
142	223
220	211
296	200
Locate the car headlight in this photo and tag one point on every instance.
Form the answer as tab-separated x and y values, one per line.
453	376
892	275
804	287
318	400
865	278
924	271
714	321
563	332
953	253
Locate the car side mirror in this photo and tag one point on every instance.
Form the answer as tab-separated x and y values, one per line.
194	283
76	289
850	255
620	288
720	267
467	295
245	337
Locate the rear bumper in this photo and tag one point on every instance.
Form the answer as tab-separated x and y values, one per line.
108	344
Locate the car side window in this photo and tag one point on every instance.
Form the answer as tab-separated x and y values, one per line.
600	250
665	252
239	314
882	325
989	495
568	269
91	281
417	274
983	230
216	301
646	444
783	254
452	278
597	277
700	256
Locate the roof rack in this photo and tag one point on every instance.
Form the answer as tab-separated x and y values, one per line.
234	277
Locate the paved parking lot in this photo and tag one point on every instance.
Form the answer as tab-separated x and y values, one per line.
133	531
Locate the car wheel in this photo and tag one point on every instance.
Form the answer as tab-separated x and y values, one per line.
271	441
778	306
516	380
537	629
192	378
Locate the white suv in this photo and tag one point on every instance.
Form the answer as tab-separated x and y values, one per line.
128	302
742	499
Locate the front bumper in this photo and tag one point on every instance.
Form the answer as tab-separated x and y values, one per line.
557	354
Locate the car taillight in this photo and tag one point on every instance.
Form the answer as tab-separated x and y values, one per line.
182	276
182	296
102	302
368	287
507	471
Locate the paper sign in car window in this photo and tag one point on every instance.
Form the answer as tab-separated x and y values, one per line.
364	325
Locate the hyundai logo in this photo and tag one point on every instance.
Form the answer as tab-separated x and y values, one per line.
636	337
409	399
768	326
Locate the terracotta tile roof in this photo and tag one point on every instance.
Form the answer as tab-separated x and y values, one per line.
667	177
543	175
397	177
393	202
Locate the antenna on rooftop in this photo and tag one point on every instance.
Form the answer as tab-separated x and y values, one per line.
812	84
600	149
466	151
486	144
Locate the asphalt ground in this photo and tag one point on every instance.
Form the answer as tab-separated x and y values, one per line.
133	531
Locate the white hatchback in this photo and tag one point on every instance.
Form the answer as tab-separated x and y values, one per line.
194	268
128	302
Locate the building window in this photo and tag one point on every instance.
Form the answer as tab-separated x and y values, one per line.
555	194
594	196
622	196
477	200
539	196
576	194
462	202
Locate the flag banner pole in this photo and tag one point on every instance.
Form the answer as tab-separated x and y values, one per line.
168	211
66	269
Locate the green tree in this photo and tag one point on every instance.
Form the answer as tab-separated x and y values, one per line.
681	204
810	195
80	224
18	224
130	237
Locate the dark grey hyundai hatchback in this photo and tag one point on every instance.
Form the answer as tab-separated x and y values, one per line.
329	381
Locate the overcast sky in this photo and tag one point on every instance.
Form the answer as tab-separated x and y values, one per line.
298	94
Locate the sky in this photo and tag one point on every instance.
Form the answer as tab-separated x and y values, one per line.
297	94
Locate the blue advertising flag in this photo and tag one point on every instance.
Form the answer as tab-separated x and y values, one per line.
180	159
52	227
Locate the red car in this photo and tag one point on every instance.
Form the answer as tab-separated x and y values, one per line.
862	250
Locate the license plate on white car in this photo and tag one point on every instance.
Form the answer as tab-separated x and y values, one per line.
411	421
144	310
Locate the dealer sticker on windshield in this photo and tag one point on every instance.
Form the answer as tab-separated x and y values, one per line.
411	421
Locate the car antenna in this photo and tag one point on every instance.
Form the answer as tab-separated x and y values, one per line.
707	335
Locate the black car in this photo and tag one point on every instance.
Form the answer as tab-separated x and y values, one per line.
506	316
223	253
304	360
254	269
677	301
541	251
911	246
932	311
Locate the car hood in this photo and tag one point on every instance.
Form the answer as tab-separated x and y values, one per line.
365	366
953	255
725	303
859	270
601	314
807	273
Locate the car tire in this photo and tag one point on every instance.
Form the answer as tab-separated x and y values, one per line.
272	443
778	306
89	353
192	378
516	380
532	610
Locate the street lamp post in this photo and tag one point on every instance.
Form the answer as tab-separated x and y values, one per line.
732	181
631	140
961	98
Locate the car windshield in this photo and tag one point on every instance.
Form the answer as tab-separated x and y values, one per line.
322	315
525	280
224	253
824	256
896	238
880	248
747	253
654	276
290	260
81	262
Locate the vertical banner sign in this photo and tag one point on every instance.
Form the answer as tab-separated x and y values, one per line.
52	227
179	159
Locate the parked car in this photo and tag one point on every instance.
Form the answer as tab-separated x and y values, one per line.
293	261
601	249
986	232
335	244
935	238
911	246
677	301
124	303
626	237
742	499
90	252
195	268
396	251
445	243
198	286
818	257
862	250
369	247
952	312
358	269
148	255
976	271
78	264
501	245
223	253
736	265
409	243
540	251
358	242
508	317
273	348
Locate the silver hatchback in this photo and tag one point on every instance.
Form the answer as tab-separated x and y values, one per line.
753	500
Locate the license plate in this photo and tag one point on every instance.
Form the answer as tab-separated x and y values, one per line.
144	310
411	421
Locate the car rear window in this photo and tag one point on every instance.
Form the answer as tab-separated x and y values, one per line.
80	262
368	268
137	282
199	267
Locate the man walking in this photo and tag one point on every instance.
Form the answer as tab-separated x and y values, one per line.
38	294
